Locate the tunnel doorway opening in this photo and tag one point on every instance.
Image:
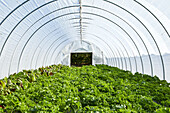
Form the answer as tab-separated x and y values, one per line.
80	59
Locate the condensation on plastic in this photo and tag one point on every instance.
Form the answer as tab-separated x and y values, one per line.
133	35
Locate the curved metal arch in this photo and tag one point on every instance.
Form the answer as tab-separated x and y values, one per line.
16	46
47	15
56	47
99	38
32	26
162	61
74	41
75	13
39	45
110	48
81	22
154	17
53	52
20	22
108	52
42	41
103	10
150	60
51	46
33	54
38	30
73	6
13	11
42	18
123	47
123	31
104	41
82	18
47	51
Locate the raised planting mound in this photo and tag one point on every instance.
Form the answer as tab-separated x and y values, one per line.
100	88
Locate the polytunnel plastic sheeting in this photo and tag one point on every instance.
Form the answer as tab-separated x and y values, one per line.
133	35
80	47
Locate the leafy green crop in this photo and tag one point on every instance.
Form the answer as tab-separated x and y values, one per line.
100	89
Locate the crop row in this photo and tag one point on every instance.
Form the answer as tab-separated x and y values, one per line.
99	88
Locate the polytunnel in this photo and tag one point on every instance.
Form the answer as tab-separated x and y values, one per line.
132	35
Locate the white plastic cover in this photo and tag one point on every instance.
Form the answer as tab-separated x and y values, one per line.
80	47
130	34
